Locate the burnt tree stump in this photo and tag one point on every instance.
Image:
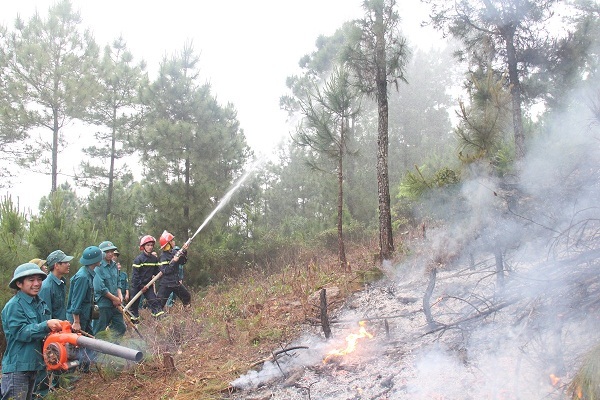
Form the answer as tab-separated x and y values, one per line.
427	298
324	317
168	362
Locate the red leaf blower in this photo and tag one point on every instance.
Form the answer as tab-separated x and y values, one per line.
60	348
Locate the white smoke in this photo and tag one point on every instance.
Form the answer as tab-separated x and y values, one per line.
544	226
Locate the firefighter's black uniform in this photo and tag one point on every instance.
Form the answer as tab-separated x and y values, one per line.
145	267
170	282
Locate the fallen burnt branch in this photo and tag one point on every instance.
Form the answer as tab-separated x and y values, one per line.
482	314
277	354
404	315
316	322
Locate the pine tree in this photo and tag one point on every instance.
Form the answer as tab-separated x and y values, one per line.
192	148
378	55
326	124
49	66
117	113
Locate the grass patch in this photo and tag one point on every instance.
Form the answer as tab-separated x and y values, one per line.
230	326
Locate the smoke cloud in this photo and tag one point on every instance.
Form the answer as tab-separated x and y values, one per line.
521	334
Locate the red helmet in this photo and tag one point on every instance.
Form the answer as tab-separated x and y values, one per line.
165	238
146	239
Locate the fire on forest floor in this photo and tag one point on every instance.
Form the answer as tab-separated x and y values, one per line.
525	349
508	354
230	327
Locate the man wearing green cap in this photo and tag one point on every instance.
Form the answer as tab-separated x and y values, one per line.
81	299
107	292
54	289
54	293
26	322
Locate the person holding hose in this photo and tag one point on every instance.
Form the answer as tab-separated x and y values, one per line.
26	322
172	297
170	261
54	294
145	267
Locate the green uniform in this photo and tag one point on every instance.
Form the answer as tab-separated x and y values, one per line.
107	280
24	323
54	293
123	282
81	298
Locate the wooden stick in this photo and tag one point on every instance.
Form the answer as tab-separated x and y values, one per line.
138	294
274	355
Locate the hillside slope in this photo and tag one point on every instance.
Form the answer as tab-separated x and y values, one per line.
230	326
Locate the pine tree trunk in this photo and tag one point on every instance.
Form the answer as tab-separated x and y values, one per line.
111	168
341	249
515	92
55	154
386	242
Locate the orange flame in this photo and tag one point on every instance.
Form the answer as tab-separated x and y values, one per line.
554	379
351	341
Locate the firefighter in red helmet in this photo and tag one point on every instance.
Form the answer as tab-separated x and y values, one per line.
170	260
145	267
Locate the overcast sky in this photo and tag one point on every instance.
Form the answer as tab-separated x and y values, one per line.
246	49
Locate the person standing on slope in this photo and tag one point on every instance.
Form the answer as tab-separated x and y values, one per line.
107	292
145	267
170	262
26	323
81	300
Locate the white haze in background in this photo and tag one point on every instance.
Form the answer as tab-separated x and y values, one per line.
513	353
247	50
560	176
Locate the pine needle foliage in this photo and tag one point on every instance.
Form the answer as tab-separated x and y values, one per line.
586	383
485	122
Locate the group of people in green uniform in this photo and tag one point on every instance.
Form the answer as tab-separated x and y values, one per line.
97	292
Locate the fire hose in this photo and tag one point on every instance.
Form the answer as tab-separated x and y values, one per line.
60	353
222	202
156	277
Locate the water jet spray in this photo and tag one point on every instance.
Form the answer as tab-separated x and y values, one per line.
224	200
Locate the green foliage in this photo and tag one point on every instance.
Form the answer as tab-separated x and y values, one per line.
192	150
416	184
416	187
586	382
298	202
59	226
50	69
353	231
13	241
122	226
376	44
504	159
117	112
485	124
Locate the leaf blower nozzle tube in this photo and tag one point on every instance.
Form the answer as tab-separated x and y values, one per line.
110	348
